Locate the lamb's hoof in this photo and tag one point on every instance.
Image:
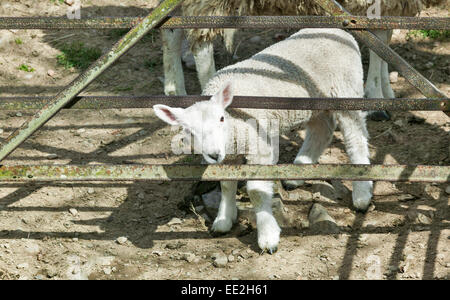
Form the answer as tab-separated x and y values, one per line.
290	185
379	116
269	237
221	225
361	205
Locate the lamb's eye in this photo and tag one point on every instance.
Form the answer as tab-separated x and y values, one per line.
221	119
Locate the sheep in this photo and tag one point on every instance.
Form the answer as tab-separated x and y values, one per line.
377	84
310	63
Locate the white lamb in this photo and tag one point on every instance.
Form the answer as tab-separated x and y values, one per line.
310	63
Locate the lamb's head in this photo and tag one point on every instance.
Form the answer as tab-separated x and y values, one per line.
207	121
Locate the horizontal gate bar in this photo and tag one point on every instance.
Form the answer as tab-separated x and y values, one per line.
261	22
107	102
224	172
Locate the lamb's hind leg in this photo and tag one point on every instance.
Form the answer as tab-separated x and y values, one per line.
260	193
319	132
353	128
173	69
227	210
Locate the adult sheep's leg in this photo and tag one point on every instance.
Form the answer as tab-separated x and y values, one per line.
227	209
204	61
374	80
319	132
353	128
261	193
173	69
385	81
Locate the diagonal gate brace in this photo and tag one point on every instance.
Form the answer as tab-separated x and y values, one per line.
386	53
82	81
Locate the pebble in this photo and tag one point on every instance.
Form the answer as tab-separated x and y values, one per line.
51	73
32	248
399	123
19	114
1	131
447	190
393	77
423	219
219	260
230	258
121	240
22	266
69	2
52	156
73	211
175	221
81	130
255	39
91	190
189	257
141	196
158	253
107	270
320	220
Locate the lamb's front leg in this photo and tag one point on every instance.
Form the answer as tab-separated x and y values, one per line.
261	193
227	209
353	128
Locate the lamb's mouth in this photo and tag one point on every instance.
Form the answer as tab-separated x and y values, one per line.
213	158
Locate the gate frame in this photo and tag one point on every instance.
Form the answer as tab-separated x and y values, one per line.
160	15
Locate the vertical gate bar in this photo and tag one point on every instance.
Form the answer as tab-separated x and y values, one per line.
427	88
82	81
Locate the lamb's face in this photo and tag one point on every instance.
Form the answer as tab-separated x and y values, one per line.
206	121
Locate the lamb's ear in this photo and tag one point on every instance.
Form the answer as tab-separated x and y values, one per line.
225	95
168	114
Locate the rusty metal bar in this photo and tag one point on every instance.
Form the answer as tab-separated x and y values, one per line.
108	102
82	81
260	22
427	88
224	172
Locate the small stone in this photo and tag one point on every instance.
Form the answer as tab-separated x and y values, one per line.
141	196
199	208
22	266
81	130
423	219
73	211
158	253
189	257
429	65
406	197
19	114
52	156
51	73
174	221
399	123
289	148
320	220
1	131
447	190
69	2
90	191
107	270
219	260
393	77
255	39
230	258
121	240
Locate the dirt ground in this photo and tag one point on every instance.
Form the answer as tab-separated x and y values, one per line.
129	230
